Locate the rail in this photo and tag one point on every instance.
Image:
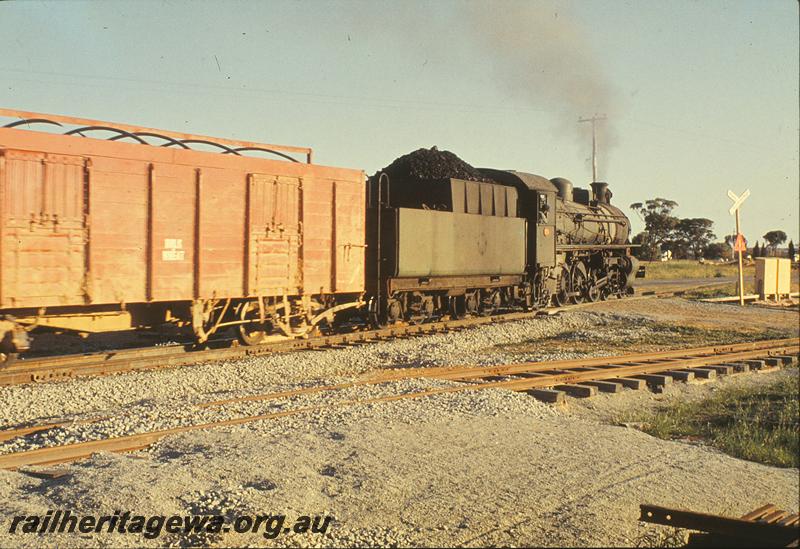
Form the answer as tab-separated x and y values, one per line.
547	381
58	368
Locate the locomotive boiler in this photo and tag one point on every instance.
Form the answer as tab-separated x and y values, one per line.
592	247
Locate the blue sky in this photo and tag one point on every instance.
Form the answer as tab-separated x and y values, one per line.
702	97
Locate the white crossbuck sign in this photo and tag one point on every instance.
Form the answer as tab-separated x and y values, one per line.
737	200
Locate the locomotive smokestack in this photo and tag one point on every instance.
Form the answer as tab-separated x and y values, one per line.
600	192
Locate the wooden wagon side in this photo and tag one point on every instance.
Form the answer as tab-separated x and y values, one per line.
99	235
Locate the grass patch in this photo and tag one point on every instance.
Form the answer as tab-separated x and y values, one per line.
720	291
687	268
758	424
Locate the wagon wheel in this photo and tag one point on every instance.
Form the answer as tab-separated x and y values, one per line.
7	359
374	313
421	310
252	333
491	302
471	303
394	311
457	305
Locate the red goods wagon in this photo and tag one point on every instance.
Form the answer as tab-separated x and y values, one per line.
100	234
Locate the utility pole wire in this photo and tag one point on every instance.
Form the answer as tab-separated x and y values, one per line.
596	118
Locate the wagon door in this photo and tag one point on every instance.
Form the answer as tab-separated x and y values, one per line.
349	236
44	230
273	235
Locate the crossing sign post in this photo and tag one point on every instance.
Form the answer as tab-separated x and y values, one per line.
740	245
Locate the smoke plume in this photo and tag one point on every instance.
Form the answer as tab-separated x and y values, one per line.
542	56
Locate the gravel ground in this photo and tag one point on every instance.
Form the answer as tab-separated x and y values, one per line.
92	397
473	468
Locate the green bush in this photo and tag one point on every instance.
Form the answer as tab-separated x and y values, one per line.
758	424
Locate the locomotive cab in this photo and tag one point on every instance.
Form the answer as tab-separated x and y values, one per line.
538	207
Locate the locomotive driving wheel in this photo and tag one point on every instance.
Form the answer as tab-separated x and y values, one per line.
563	287
578	283
593	291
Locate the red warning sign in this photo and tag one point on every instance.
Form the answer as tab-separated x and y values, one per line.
741	244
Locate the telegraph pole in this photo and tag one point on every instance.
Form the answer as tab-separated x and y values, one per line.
596	118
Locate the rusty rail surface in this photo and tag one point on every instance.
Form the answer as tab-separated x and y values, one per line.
766	526
146	358
607	374
55	368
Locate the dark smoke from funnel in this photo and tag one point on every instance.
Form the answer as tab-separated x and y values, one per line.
543	57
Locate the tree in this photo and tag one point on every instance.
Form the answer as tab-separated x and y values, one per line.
693	235
791	250
647	250
775	239
756	250
717	250
730	239
658	220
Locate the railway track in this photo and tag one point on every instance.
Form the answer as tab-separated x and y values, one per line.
55	368
548	381
148	358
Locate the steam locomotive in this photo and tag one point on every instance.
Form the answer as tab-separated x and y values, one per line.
457	247
107	227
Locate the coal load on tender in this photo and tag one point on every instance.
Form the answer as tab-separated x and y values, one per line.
431	165
422	179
